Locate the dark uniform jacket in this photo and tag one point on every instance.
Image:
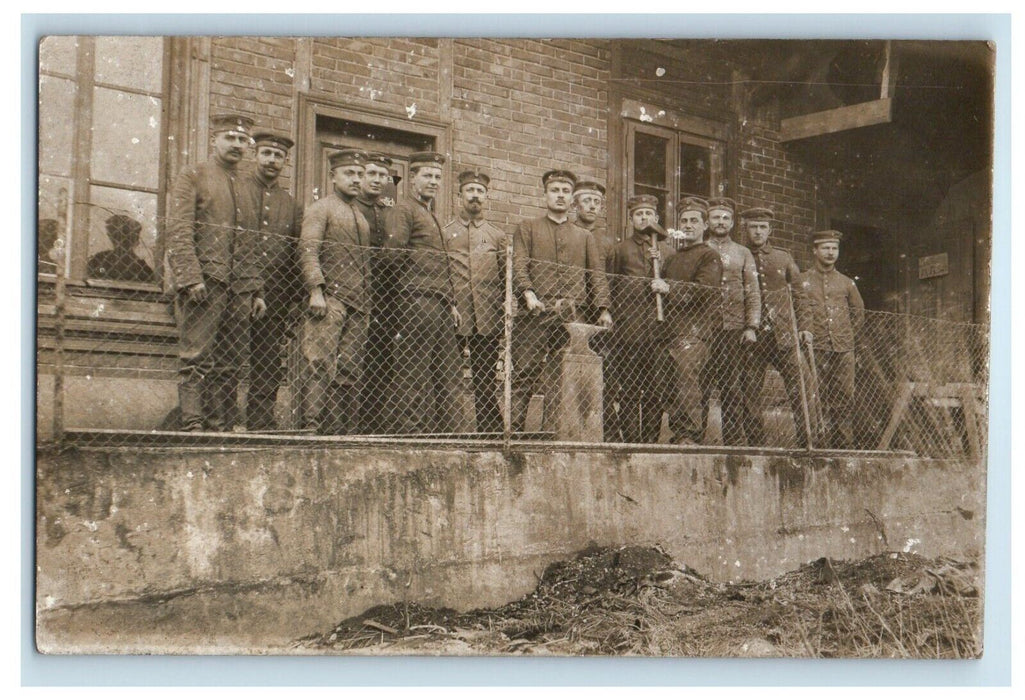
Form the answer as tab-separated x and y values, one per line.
577	272
630	267
206	237
420	259
694	310
742	306
376	214
333	250
778	273
275	215
477	253
837	310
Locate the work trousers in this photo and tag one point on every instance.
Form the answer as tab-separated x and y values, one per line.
688	407
761	354
483	350
333	349
723	371
536	337
644	377
269	336
427	368
836	394
213	346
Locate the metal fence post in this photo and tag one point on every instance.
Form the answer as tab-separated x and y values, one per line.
507	347
800	372
58	352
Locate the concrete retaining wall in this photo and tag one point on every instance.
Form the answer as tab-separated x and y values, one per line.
204	551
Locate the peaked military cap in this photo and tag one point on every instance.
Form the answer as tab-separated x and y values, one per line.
231	122
271	138
588	187
558	176
758	214
825	237
694	204
722	203
381	159
347	156
426	159
639	201
473	176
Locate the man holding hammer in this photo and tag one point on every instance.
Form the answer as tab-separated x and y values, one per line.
638	363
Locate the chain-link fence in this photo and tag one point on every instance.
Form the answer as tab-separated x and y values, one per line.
475	341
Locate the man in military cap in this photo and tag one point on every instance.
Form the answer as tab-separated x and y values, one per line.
373	202
691	285
639	372
741	317
836	315
333	257
217	272
272	212
589	205
477	252
557	269
784	309
428	364
120	262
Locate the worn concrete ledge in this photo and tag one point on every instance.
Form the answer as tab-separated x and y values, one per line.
222	550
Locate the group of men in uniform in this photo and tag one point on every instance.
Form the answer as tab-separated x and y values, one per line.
420	305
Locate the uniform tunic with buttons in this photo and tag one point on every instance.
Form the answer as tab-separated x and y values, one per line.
421	259
375	213
836	309
777	272
477	252
333	250
633	302
206	236
559	261
742	304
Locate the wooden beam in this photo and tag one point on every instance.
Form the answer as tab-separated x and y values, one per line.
888	81
834	120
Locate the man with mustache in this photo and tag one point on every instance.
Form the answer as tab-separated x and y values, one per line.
273	213
333	257
558	267
374	204
837	313
217	274
741	316
477	252
428	364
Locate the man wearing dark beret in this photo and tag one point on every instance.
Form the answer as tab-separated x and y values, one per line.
558	267
217	272
784	309
836	315
373	202
477	250
428	365
333	256
272	212
741	317
639	372
120	262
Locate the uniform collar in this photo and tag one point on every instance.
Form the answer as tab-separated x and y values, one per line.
369	202
767	248
639	238
477	221
425	203
273	185
555	221
714	242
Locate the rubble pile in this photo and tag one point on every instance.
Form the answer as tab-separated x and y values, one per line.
638	601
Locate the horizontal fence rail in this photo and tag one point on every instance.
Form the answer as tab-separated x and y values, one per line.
435	341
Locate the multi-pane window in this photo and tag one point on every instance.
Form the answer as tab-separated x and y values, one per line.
101	156
671	165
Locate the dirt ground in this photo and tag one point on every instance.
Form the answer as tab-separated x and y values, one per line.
638	601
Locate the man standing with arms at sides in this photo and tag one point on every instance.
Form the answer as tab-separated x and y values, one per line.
428	365
277	219
377	375
217	276
333	257
784	309
557	268
693	316
589	204
638	369
477	251
837	313
741	316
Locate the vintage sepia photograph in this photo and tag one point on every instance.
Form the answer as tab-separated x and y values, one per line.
495	346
